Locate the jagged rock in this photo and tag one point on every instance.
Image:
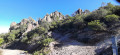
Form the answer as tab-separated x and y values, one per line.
53	17
31	24
39	20
29	28
24	22
47	18
57	14
79	11
31	20
13	26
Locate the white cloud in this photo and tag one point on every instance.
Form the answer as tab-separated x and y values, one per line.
4	29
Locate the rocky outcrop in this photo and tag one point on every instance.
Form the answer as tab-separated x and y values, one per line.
13	26
53	17
39	20
29	24
80	12
24	22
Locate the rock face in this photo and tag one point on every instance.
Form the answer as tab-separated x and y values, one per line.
28	23
13	25
53	17
24	22
31	23
80	12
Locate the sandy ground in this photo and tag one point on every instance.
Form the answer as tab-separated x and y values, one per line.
11	52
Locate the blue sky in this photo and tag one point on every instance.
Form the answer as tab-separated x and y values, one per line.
16	10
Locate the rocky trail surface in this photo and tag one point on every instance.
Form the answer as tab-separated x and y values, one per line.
66	46
74	48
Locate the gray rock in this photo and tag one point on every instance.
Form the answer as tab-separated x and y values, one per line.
13	24
53	17
79	11
24	22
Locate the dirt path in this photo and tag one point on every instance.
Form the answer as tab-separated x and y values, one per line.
11	52
71	47
74	48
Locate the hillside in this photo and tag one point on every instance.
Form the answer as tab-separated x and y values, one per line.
83	33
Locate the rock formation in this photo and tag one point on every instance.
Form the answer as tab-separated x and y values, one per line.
80	12
53	17
13	25
28	23
31	23
24	22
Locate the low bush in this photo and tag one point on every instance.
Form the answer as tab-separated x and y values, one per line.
96	25
46	41
112	18
1	40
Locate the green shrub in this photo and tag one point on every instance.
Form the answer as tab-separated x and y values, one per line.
45	25
24	39
96	15
79	19
39	30
53	25
46	41
37	53
112	18
1	40
11	37
35	35
2	35
109	6
21	28
96	25
116	10
42	30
